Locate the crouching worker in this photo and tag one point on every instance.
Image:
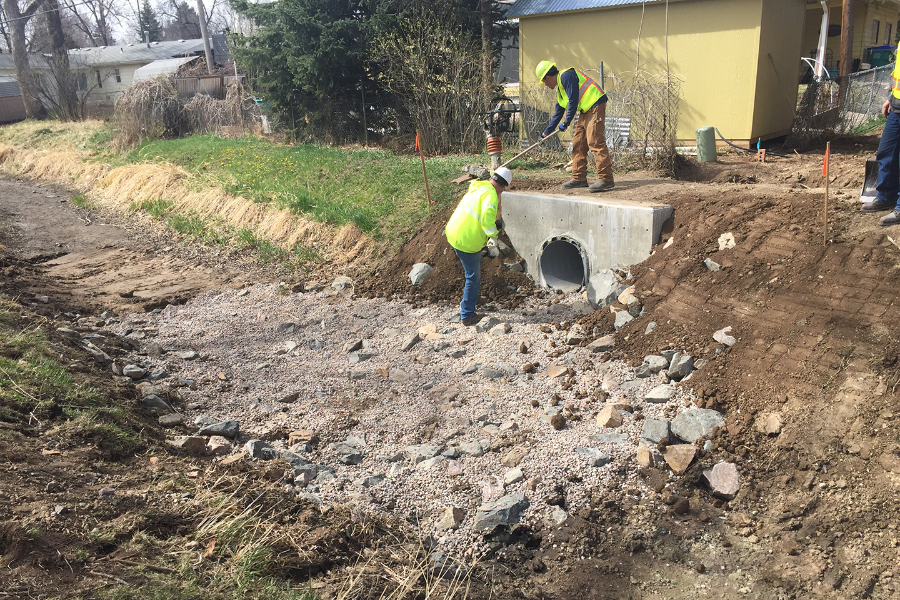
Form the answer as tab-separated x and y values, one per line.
476	219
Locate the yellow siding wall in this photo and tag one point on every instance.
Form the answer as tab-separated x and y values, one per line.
713	46
778	68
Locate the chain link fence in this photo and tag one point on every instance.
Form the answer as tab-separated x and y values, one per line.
828	108
641	121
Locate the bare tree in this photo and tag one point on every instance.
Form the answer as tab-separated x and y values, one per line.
96	19
4	32
183	23
233	21
40	38
17	19
61	78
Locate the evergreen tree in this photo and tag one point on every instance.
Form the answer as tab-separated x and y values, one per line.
147	21
314	57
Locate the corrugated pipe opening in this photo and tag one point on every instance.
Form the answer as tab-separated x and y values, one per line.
563	264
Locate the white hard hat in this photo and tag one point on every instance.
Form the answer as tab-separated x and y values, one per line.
503	176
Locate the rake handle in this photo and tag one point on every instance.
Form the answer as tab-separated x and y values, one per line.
530	148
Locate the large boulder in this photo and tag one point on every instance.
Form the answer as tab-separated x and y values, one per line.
503	511
696	423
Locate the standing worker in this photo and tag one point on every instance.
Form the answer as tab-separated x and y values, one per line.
888	188
591	127
476	218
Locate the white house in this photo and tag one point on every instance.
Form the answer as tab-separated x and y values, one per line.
104	72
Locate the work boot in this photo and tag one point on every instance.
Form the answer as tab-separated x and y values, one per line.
892	218
877	206
575	183
602	186
473	320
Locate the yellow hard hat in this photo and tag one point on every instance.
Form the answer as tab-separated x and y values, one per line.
543	67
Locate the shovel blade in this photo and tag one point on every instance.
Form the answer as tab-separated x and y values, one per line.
870	182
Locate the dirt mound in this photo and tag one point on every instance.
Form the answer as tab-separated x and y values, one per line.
445	284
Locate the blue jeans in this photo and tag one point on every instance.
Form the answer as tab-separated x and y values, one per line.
888	156
471	262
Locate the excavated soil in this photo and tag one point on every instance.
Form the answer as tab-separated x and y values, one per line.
499	284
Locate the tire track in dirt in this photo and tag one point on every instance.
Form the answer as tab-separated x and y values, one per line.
94	259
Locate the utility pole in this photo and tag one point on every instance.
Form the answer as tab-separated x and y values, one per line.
487	62
847	39
202	14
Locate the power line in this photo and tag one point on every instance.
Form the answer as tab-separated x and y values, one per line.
8	21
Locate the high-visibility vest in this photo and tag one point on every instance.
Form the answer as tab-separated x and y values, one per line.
475	218
589	91
895	86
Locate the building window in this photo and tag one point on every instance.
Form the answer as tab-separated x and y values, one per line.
82	82
119	76
876	29
887	33
99	81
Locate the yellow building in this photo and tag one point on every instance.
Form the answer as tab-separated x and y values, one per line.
874	24
738	60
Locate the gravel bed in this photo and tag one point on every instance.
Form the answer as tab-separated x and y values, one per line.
258	345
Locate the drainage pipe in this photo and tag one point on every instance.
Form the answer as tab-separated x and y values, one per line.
563	264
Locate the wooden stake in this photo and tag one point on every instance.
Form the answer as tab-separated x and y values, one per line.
827	171
424	173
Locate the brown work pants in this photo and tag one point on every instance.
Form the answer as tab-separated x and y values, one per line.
590	133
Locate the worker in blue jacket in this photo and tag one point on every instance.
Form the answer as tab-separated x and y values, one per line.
576	92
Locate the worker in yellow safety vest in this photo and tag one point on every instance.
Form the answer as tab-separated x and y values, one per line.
476	218
888	188
576	92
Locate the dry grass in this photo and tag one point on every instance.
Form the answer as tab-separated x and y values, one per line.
249	529
119	188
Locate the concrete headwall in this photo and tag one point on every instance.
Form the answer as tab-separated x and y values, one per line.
591	234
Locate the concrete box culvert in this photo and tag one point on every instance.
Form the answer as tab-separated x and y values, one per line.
574	242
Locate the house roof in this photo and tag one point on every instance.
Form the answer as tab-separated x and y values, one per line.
167	66
9	87
140	53
134	53
527	8
6	60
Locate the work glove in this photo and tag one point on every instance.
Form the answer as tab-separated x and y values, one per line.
563	126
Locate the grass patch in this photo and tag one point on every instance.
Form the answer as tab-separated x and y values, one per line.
870	125
156	208
36	391
378	191
81	201
191	225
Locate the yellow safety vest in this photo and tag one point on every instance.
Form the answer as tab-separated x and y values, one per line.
895	86
475	218
589	91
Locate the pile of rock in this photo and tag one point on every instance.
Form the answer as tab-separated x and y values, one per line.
674	364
